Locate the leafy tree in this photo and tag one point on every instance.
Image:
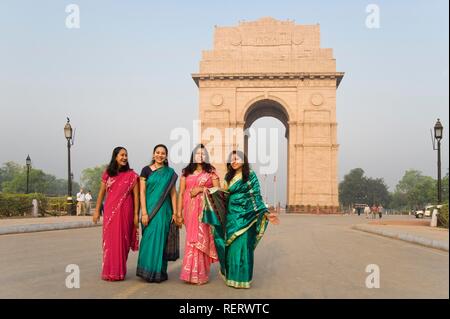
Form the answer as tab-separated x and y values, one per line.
14	180
445	189
352	188
91	179
357	188
399	201
8	171
418	190
377	191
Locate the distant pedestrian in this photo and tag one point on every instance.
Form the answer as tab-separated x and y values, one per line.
81	202
374	210
367	210
87	202
359	209
380	210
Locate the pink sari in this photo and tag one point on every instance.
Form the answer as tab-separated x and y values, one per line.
200	250
119	233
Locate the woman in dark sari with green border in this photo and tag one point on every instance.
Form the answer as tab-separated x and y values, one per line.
158	201
239	218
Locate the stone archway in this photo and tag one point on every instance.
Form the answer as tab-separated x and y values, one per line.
276	68
267	108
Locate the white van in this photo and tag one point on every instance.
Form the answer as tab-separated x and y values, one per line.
428	211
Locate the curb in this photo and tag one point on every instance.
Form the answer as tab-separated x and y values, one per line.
31	228
431	243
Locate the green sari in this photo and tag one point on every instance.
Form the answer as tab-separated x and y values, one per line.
238	218
152	261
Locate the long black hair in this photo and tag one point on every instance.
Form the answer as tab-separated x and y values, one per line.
166	161
113	168
245	167
206	165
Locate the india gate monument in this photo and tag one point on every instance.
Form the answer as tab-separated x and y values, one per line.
277	69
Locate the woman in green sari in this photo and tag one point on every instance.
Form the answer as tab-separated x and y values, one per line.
239	218
158	201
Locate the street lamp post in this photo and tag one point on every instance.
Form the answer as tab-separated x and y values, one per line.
28	161
438	129
68	135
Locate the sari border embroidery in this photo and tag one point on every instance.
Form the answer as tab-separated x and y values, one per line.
235	284
236	178
262	229
255	209
240	232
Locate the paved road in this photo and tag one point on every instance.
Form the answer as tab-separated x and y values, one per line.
304	257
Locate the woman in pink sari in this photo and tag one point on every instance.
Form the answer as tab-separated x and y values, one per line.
120	215
199	251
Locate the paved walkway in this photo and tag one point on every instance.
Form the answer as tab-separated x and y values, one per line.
404	228
432	237
29	225
303	257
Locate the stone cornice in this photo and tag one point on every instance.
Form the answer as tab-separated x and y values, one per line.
327	145
300	123
270	76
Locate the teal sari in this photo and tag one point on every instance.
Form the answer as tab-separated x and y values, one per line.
152	261
238	218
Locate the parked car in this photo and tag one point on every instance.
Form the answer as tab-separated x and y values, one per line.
427	212
420	213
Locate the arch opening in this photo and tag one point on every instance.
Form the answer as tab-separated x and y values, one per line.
264	108
267	147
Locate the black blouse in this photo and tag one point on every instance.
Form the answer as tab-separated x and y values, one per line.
146	172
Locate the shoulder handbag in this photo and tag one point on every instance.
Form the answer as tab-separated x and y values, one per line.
172	249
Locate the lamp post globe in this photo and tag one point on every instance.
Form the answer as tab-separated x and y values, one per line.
438	129
68	130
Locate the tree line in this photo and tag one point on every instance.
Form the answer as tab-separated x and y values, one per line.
414	190
13	179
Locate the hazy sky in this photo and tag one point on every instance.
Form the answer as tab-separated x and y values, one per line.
124	78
